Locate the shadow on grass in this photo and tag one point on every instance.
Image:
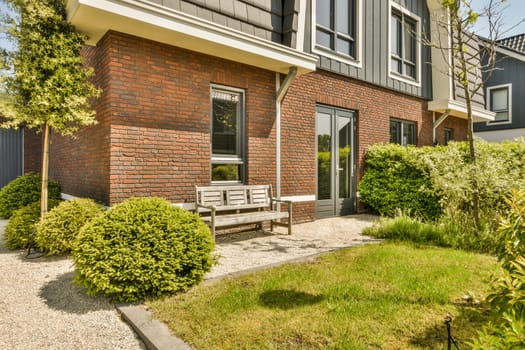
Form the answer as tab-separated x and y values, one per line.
61	294
288	299
463	328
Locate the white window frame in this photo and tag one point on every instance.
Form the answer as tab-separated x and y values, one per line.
326	52
489	102
239	159
394	75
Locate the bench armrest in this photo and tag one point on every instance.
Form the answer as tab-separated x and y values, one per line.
211	208
281	201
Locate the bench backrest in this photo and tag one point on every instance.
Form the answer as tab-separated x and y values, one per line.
234	197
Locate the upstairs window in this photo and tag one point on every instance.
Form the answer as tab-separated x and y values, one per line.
335	27
499	102
227	135
402	132
404	45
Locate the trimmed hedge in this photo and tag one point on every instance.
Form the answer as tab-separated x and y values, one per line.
62	224
142	247
24	190
395	180
20	227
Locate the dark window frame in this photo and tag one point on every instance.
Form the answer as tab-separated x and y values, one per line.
336	36
448	135
401	127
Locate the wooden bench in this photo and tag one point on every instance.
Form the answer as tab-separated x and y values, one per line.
229	206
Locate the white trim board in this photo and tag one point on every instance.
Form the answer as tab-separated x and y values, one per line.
155	22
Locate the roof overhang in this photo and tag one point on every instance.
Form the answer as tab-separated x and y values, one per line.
459	109
151	21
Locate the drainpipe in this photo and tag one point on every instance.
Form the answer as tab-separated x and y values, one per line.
281	90
437	123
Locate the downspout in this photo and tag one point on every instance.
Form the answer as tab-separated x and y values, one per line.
281	90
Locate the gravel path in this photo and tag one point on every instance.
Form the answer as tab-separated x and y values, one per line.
252	250
41	309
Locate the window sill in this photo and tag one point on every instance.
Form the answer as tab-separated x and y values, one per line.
320	50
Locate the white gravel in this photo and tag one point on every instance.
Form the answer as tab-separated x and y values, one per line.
252	250
41	309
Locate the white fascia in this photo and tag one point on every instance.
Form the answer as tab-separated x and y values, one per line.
459	109
152	21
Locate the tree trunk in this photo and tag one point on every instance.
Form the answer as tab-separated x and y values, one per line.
45	171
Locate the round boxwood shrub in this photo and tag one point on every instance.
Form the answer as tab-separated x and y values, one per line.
62	224
142	247
24	190
20	227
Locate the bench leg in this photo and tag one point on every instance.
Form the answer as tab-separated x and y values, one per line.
271	225
290	218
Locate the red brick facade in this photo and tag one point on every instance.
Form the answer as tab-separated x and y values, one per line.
153	135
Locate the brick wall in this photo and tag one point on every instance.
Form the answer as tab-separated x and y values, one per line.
81	164
160	118
374	105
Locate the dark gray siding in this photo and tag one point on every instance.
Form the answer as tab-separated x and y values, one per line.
11	157
375	54
510	71
274	20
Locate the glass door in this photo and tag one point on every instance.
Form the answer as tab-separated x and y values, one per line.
335	162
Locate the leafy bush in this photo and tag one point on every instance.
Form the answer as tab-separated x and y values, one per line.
508	298
142	247
498	169
437	183
20	227
24	190
62	224
395	179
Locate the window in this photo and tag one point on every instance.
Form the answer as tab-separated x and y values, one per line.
335	27
404	46
402	132
447	135
227	142
499	102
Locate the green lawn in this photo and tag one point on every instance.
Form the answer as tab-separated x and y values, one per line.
381	296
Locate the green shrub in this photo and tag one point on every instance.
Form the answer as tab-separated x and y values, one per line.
395	180
20	227
508	297
404	228
22	191
499	168
142	247
62	224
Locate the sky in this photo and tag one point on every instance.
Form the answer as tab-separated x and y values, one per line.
513	12
513	15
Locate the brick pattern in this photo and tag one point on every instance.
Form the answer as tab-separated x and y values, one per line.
153	136
160	118
81	164
374	105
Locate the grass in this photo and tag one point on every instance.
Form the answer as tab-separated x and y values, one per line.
387	296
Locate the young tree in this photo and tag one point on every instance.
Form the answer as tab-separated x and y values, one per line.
470	61
48	87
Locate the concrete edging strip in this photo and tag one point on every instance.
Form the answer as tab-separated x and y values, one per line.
154	334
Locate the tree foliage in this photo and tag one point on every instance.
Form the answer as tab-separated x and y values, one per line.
47	82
